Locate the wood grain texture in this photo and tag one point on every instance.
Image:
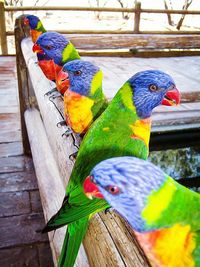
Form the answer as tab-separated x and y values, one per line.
14	203
51	187
116	41
17	181
12	235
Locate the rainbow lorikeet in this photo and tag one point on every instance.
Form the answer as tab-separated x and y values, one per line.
56	47
84	100
44	61
164	214
123	129
36	26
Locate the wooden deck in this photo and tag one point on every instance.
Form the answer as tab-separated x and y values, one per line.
20	208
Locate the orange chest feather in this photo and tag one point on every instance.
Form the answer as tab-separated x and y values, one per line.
34	35
169	247
141	130
78	111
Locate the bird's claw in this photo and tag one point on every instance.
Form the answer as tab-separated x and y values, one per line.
61	123
50	92
107	210
73	155
67	133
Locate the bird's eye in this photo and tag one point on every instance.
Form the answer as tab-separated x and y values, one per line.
114	190
48	47
77	72
153	88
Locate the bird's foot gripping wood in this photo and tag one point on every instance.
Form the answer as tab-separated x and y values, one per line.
107	210
51	91
61	123
73	156
68	132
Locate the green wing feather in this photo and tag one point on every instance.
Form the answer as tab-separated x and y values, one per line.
73	238
109	136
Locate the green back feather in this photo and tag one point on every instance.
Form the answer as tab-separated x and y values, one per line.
40	27
109	136
69	53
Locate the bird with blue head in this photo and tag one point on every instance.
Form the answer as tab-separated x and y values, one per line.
60	50
36	26
164	214
84	100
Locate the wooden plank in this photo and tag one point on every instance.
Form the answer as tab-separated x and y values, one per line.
3	37
116	41
138	52
14	203
48	177
21	230
35	201
18	181
103	9
11	149
23	85
15	164
10	128
19	256
44	253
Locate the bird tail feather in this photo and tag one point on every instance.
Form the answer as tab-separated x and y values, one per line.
73	238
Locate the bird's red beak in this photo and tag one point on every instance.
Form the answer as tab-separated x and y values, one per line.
91	190
37	49
62	81
26	21
171	98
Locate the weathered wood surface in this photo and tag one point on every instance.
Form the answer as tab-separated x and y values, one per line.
48	179
20	208
116	41
22	77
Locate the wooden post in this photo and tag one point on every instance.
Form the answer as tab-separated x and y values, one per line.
23	85
4	48
137	17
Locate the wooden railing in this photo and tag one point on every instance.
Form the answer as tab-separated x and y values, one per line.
137	10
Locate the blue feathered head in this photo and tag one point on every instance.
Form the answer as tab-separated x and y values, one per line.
52	44
125	183
80	74
32	21
152	88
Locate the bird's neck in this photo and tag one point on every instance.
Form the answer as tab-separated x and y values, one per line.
123	106
35	34
69	53
40	27
173	246
172	203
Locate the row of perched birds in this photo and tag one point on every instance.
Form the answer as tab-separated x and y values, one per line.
111	168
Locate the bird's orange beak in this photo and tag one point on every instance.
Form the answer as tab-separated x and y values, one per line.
26	21
37	49
62	81
91	190
171	98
